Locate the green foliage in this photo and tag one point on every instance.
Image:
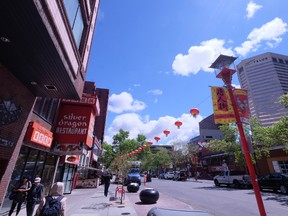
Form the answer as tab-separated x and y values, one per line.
279	133
114	155
284	100
108	155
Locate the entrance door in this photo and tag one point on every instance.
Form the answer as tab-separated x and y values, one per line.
69	170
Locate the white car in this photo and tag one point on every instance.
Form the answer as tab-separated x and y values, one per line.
169	175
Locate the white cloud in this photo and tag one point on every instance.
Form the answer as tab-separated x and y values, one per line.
236	86
251	9
124	102
200	57
134	123
269	33
156	92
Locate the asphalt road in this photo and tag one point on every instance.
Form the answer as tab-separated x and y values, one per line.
221	201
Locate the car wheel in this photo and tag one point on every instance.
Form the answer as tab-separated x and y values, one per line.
216	183
283	189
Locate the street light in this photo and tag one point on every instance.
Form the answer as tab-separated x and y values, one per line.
222	63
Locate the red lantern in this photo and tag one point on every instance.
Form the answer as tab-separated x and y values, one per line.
149	143
144	146
140	148
166	132
157	138
194	112
178	124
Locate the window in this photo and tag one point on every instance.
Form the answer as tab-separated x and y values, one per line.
75	18
46	108
283	166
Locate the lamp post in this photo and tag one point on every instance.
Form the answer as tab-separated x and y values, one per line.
222	63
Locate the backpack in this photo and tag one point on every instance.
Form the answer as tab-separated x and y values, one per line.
52	206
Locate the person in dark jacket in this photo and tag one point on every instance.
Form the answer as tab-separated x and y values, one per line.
34	195
21	190
107	176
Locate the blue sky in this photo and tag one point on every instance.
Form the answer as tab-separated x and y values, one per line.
154	57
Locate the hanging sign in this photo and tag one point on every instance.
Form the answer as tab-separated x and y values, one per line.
222	105
38	134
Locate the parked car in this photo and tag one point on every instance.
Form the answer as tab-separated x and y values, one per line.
275	182
169	175
235	178
180	176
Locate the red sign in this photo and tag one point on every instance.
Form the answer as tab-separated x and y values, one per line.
75	125
86	100
38	134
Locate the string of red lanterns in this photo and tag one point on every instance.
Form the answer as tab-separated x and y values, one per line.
194	112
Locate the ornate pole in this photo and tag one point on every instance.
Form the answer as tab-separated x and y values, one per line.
226	76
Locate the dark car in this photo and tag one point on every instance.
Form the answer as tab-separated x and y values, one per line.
275	182
180	176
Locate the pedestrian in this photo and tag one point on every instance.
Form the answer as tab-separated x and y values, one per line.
35	195
20	190
54	198
106	178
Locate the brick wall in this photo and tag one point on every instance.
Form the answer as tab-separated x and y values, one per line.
12	90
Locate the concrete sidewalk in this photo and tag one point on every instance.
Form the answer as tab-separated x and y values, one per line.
93	202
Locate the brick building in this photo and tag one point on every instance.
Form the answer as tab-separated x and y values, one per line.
45	48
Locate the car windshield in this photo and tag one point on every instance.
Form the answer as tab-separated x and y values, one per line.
134	170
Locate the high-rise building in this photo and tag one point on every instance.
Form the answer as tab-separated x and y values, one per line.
265	77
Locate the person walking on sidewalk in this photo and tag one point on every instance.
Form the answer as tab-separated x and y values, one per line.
20	196
56	194
35	195
107	176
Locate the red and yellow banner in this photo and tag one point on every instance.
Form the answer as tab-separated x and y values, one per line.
222	105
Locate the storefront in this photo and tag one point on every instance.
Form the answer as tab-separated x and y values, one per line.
35	157
31	163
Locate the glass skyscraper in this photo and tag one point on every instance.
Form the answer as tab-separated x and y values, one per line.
265	77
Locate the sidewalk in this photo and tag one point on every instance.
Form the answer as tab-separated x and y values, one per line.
92	201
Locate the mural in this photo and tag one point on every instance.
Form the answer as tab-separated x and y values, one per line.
9	113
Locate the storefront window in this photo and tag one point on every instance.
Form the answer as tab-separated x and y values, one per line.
19	167
33	162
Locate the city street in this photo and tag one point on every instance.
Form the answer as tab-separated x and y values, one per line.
220	201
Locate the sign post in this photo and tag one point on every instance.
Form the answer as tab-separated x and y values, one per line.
222	63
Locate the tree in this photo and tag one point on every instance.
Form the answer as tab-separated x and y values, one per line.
284	100
108	154
229	144
118	139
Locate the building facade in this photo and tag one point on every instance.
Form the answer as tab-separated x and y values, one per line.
45	47
265	77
